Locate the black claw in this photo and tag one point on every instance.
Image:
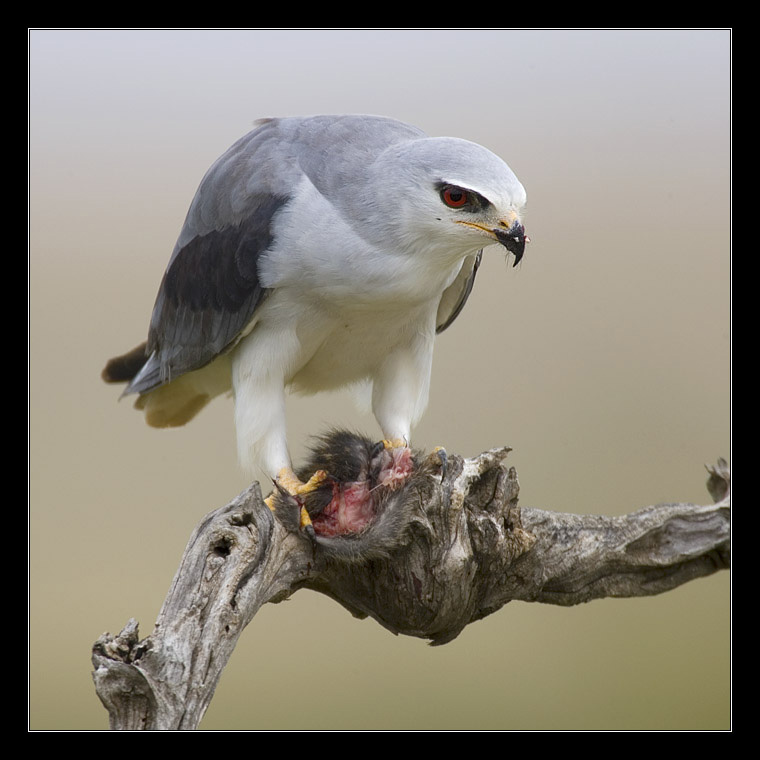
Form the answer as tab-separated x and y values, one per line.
376	450
312	536
444	462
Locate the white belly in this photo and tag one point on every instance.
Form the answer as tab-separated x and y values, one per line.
339	352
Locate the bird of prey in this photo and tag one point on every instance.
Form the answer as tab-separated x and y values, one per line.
320	252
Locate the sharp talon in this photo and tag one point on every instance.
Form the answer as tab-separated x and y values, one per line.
439	453
308	529
306	520
444	459
312	536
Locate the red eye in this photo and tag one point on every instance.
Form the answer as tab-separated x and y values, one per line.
454	197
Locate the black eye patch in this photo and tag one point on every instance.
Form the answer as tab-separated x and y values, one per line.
461	198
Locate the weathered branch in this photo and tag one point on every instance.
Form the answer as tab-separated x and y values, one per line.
468	550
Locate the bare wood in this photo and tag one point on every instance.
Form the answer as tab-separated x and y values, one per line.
469	550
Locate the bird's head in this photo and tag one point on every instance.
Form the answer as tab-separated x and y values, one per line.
453	195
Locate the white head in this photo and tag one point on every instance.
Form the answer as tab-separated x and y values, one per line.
444	194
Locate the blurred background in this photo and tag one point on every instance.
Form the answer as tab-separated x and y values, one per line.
603	359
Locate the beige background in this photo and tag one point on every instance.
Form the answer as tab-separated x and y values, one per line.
603	359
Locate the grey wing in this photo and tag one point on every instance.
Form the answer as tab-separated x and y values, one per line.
211	289
456	295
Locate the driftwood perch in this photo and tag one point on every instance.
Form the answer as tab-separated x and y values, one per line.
468	551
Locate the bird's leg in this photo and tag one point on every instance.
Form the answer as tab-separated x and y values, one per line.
260	413
288	480
393	461
288	484
399	396
394	443
401	384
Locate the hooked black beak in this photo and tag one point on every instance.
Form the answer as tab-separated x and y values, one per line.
513	239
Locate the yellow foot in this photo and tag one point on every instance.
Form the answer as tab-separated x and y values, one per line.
304	520
288	482
395	443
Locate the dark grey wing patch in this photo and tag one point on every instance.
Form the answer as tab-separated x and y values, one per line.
208	295
456	295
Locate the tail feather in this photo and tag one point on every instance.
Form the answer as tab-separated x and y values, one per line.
121	369
172	405
167	403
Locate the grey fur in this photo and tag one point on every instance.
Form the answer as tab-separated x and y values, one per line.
349	458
